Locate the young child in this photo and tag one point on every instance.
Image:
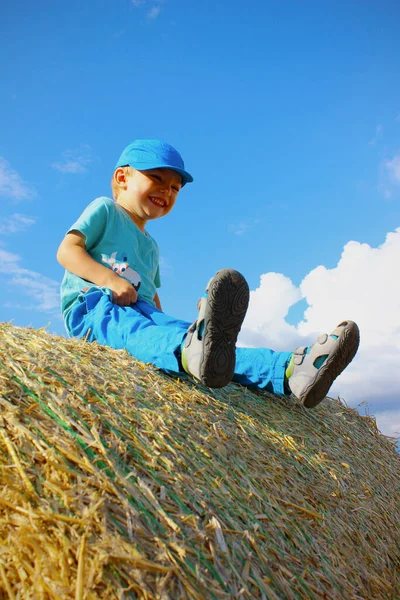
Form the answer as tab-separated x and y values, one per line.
109	292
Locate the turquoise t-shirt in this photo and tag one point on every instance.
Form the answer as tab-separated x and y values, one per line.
113	240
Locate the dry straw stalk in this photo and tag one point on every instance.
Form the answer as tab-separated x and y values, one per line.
119	482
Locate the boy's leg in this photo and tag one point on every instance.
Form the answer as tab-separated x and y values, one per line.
313	370
209	349
146	333
308	372
152	336
261	368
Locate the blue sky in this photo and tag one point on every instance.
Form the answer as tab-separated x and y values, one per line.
286	113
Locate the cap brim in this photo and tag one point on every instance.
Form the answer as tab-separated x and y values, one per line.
186	177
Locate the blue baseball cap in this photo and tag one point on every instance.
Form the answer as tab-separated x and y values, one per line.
153	154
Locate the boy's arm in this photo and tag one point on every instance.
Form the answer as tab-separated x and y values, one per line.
157	301
72	255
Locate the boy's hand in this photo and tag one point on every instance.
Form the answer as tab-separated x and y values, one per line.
123	291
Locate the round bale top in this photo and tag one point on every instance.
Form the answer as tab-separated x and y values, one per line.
118	481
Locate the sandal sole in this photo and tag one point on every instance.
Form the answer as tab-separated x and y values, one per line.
337	361
227	302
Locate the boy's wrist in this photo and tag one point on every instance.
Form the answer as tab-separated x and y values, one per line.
110	279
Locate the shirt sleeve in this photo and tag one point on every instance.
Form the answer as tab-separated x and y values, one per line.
92	222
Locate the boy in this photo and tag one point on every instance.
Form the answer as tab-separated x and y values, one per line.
109	292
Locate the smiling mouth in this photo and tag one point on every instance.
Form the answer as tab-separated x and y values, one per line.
158	202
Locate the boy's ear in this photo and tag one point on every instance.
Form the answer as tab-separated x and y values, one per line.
119	177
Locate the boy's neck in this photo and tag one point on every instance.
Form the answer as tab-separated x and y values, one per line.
140	223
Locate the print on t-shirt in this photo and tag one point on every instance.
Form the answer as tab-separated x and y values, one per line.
118	263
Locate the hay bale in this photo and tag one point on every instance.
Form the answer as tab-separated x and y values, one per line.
120	482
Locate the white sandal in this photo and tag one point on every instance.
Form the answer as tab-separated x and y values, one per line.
209	351
310	382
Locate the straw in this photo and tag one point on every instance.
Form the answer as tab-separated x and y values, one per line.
118	481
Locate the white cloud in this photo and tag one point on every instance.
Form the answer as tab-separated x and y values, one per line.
42	292
265	323
243	227
75	161
15	223
389	421
166	269
386	192
137	2
11	184
393	168
8	261
364	287
378	133
153	12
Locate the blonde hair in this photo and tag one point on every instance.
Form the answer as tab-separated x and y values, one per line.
114	187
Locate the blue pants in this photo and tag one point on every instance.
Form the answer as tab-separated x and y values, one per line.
151	336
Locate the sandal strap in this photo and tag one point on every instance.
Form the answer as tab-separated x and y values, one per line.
321	347
299	354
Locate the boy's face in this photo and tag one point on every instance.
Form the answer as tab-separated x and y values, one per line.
148	195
